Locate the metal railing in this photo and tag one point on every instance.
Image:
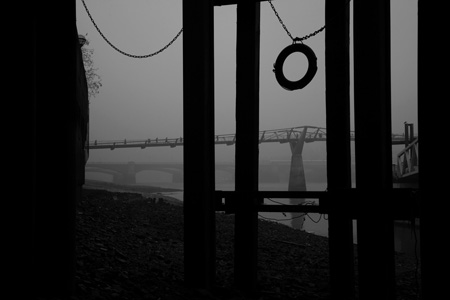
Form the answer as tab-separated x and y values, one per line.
283	135
408	160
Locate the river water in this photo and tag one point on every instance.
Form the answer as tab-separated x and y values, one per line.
406	239
314	223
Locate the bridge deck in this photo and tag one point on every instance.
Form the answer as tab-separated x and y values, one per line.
285	135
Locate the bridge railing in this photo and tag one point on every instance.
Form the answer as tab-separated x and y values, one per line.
408	160
284	135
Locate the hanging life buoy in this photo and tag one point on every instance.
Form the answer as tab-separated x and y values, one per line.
310	73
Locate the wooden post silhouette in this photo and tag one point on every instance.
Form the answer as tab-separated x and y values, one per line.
198	127
337	86
373	147
247	135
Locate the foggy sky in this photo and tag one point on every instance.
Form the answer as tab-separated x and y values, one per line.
142	98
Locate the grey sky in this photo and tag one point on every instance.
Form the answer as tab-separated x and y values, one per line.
142	98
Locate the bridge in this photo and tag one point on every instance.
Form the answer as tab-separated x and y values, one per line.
269	171
284	135
405	171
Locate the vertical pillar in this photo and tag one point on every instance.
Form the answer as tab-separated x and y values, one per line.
247	128
53	232
373	146
297	179
198	152
337	80
431	86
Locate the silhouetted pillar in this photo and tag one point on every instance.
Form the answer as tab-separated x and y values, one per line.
247	138
432	87
337	80
198	136
297	179
56	113
373	147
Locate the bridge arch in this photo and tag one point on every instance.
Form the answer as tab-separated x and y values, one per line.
159	175
112	175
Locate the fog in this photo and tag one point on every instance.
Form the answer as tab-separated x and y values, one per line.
142	98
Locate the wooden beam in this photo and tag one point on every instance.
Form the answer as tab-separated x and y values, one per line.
198	127
247	137
337	80
373	145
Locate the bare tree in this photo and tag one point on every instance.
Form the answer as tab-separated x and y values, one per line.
94	81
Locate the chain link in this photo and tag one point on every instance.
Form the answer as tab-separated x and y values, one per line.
297	39
123	52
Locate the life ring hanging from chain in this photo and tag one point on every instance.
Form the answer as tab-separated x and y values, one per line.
310	73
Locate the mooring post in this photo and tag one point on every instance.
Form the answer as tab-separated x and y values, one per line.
247	137
337	86
198	152
297	179
373	147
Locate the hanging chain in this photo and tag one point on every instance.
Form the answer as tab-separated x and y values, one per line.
281	21
297	39
123	52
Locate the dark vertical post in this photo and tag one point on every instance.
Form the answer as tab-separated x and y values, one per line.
432	85
373	146
198	127
247	127
53	232
337	80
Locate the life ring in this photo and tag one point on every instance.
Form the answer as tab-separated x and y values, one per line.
310	73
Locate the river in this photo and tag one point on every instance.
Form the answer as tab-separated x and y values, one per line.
406	240
314	223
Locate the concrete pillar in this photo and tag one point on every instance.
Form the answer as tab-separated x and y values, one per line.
297	179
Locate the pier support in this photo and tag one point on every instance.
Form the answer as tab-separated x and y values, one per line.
198	154
337	86
297	179
247	142
373	147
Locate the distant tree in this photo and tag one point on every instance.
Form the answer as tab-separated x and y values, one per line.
94	81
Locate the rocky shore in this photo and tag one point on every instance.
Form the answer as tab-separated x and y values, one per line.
131	247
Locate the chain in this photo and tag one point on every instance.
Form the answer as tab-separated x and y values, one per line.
123	52
281	21
297	39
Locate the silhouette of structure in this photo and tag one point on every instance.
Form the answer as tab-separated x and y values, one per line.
373	147
44	266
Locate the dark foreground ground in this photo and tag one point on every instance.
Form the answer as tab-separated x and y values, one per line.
131	247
